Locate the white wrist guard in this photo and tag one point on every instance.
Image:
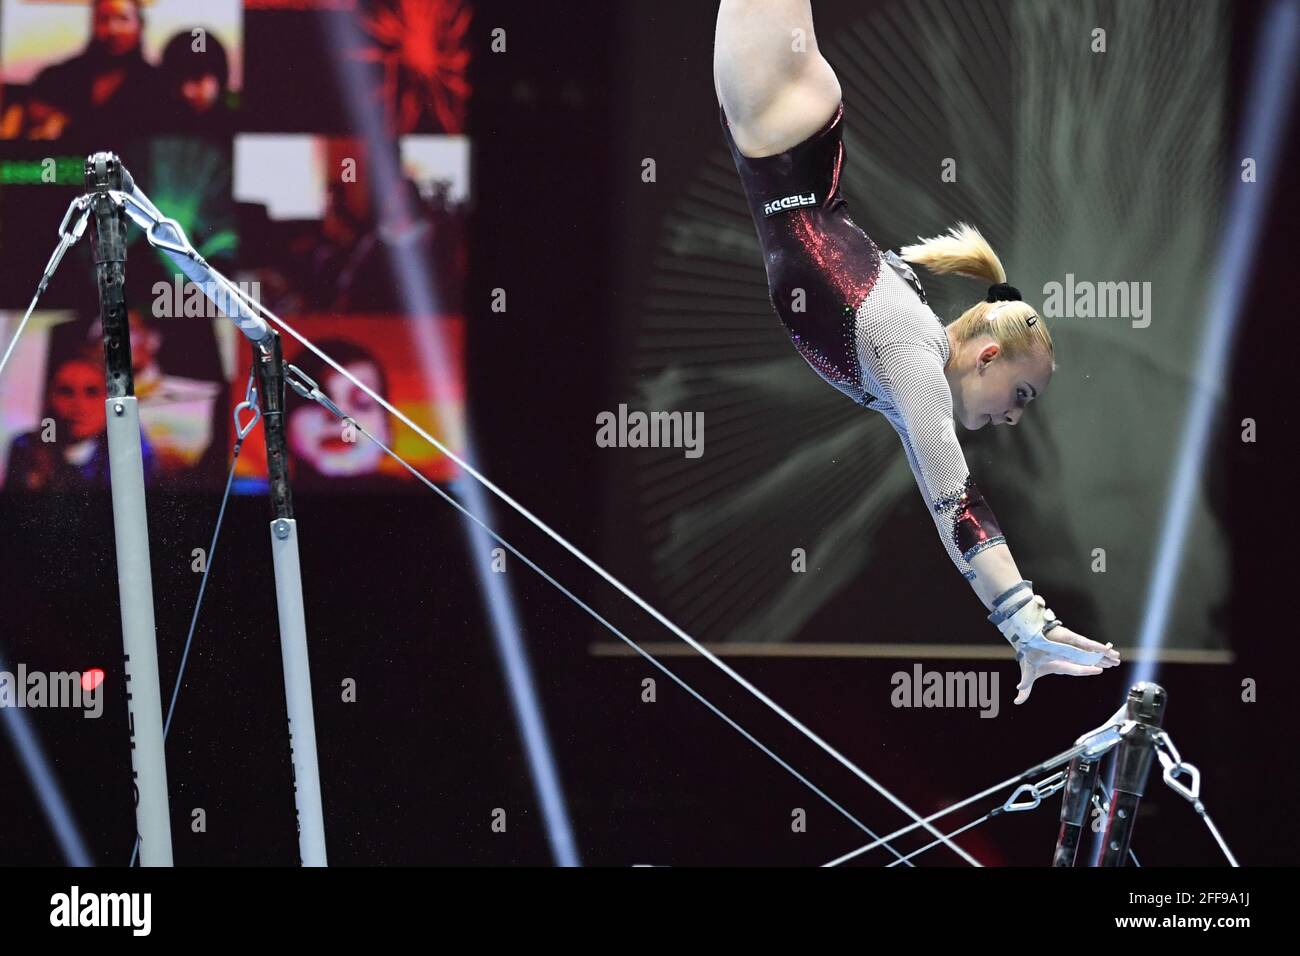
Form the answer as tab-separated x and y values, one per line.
1025	620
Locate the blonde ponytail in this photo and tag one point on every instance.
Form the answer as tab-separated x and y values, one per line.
962	251
1014	325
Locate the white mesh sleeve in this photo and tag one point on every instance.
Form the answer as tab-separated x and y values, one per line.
920	393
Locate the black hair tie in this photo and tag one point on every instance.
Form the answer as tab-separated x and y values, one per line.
1004	293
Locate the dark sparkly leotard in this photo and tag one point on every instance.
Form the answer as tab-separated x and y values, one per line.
859	318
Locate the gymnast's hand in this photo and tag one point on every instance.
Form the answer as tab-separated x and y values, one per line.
1038	663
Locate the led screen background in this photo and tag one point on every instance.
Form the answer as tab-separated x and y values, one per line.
264	180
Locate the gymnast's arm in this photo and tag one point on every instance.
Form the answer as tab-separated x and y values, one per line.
773	83
938	464
989	572
995	571
967	525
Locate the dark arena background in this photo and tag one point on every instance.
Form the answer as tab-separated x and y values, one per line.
518	220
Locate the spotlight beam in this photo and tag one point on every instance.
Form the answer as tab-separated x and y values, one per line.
1269	101
46	786
421	300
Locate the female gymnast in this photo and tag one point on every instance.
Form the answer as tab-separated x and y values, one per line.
859	317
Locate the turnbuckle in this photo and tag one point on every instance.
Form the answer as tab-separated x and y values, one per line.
309	390
67	237
1028	796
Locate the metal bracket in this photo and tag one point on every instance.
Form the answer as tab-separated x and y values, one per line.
1100	739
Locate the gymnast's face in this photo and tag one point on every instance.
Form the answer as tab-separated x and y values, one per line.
994	390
